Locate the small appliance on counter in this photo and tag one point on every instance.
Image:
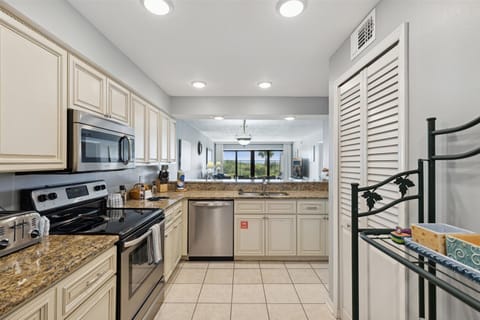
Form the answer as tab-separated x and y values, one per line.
180	181
163	177
18	230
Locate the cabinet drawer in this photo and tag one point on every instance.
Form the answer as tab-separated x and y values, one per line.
281	206
74	290
312	206
250	206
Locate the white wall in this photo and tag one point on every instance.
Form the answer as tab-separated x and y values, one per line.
62	22
444	68
205	107
185	132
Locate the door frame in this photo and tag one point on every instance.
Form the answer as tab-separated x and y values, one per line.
400	35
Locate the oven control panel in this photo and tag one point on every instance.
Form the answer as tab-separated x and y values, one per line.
57	197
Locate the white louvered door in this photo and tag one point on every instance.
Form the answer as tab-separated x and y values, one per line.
350	136
369	142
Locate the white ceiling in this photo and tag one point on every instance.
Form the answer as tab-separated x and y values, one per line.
262	131
230	44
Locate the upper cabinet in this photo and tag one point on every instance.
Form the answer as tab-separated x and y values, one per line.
139	123
168	138
153	134
118	101
87	87
91	90
33	101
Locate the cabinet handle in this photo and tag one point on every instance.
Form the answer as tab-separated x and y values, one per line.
311	208
99	275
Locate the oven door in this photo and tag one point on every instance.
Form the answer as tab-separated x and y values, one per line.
96	149
141	280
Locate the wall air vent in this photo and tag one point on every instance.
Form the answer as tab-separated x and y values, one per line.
363	35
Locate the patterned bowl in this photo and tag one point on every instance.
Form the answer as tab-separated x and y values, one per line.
465	248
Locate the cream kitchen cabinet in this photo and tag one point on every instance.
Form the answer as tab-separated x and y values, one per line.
153	134
33	104
312	235
249	235
118	102
281	235
42	308
173	240
168	139
89	293
87	87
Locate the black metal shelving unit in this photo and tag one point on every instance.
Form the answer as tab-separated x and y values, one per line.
462	288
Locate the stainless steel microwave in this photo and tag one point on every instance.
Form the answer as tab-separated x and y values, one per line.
98	144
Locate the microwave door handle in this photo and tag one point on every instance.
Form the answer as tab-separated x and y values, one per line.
122	153
129	149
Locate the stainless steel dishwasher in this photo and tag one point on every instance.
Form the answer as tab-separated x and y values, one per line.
210	230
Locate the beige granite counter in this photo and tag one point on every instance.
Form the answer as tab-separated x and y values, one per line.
29	272
174	197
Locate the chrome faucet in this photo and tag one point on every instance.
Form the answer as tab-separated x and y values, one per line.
264	185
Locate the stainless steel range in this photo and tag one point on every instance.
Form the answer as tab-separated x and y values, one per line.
81	209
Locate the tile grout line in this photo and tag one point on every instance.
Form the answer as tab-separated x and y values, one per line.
199	293
263	287
296	292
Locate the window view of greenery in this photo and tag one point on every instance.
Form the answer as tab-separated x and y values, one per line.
243	164
229	163
252	164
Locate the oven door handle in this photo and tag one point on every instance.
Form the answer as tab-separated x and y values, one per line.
132	243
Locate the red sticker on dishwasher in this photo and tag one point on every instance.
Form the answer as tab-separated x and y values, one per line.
243	224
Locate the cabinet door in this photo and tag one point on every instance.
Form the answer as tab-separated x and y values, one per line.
164	139
281	235
33	99
87	87
40	308
153	132
312	235
139	122
118	101
249	235
100	305
172	145
169	252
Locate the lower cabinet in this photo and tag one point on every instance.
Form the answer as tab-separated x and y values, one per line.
173	241
281	228
42	308
88	294
281	235
312	235
249	233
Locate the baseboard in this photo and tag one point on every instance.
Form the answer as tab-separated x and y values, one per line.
332	308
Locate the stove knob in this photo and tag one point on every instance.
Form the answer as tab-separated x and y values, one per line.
35	234
52	196
97	188
103	187
4	243
42	198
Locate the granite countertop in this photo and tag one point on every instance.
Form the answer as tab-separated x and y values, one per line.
29	272
174	197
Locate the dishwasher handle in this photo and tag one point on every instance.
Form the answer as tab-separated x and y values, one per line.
212	204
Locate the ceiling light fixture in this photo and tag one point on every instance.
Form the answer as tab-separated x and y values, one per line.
199	84
289	118
244	138
264	85
291	8
218	118
158	7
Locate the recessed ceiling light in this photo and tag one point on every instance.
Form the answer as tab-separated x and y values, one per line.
199	84
291	8
264	84
218	118
158	7
289	118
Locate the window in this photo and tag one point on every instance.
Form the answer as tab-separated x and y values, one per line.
252	164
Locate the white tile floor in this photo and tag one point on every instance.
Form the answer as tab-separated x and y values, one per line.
247	290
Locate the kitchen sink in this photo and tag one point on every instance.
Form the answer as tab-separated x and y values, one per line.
262	194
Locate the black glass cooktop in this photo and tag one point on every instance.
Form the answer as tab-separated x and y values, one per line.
115	221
